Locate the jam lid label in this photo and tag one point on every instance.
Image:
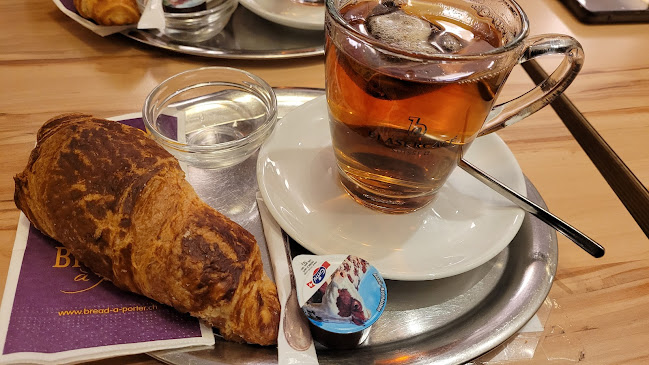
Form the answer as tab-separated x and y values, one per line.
311	272
182	4
339	293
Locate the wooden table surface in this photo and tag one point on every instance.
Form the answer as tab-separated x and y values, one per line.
598	309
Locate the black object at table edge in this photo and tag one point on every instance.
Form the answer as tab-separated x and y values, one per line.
631	192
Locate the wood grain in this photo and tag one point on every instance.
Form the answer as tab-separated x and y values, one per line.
598	308
622	180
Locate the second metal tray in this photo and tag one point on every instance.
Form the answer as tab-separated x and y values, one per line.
247	36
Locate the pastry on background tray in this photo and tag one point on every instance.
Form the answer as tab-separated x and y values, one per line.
109	12
120	203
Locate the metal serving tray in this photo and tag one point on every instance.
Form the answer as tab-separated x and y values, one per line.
246	36
445	321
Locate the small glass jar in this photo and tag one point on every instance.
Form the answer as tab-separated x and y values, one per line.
211	117
197	26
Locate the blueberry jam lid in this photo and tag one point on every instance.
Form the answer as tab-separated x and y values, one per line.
339	293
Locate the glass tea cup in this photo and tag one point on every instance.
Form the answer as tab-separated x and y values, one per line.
411	84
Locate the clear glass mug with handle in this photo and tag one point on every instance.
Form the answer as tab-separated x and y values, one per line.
411	84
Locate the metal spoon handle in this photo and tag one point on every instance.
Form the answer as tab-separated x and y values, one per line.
583	241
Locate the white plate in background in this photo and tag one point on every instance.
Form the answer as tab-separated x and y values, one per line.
288	13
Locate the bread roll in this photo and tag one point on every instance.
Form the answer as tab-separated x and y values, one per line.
120	203
109	12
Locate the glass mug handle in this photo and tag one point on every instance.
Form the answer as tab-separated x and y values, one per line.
516	109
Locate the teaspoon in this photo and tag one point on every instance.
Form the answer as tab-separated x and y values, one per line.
583	241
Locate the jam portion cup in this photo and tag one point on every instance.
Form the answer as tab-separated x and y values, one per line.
342	296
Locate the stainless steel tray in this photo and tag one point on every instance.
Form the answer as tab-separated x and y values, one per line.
247	36
446	321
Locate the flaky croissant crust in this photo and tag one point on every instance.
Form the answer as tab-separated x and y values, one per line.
120	203
109	12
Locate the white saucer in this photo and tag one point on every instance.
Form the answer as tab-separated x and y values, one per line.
465	227
288	13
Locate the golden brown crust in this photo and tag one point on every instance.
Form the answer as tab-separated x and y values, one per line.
109	12
120	203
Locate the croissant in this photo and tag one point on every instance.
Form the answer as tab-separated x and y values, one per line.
109	12
120	203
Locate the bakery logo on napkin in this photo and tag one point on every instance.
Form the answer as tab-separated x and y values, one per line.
55	310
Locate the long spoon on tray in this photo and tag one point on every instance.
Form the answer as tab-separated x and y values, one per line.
583	241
